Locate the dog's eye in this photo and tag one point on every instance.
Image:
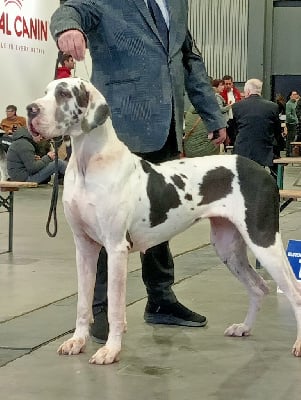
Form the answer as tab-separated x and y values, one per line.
65	94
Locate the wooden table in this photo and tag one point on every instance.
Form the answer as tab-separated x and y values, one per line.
281	162
7	202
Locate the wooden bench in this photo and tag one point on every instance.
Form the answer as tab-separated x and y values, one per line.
281	162
290	195
7	202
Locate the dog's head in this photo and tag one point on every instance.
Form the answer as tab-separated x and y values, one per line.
71	106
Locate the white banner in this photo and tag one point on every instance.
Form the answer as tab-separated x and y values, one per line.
27	51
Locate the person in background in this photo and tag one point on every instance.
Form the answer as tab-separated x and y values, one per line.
143	59
291	121
231	95
12	120
280	101
67	65
298	113
219	87
23	162
258	126
196	142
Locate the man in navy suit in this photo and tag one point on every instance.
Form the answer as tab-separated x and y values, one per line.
258	126
143	60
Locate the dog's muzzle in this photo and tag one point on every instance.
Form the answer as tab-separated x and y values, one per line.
33	110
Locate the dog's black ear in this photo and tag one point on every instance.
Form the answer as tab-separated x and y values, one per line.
97	110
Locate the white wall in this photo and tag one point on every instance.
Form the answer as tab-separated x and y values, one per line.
27	57
220	29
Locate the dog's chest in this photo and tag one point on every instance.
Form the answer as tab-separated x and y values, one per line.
82	210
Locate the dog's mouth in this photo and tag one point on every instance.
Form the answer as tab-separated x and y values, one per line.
33	130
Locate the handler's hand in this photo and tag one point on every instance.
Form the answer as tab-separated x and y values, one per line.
221	138
73	42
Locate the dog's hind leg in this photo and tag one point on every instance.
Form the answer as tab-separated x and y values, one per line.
231	248
87	253
275	261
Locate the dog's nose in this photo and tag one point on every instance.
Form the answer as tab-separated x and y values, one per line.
32	110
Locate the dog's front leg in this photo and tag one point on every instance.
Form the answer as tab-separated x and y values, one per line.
86	261
117	271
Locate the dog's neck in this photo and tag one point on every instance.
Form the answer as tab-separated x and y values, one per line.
97	144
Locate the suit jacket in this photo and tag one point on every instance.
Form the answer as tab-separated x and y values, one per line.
259	129
143	82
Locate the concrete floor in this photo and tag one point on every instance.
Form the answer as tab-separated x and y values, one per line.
38	305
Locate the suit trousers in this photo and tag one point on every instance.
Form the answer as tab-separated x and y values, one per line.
231	132
290	137
157	262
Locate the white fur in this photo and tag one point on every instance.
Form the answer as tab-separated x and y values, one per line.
105	198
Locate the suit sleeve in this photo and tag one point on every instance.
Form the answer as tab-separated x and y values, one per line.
198	87
80	15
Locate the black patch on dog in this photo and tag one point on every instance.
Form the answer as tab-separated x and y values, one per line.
81	95
261	196
188	197
101	114
62	93
178	181
162	196
216	185
59	116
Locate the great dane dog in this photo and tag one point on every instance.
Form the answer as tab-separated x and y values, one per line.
113	198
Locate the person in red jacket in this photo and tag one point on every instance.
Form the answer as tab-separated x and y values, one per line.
67	62
231	95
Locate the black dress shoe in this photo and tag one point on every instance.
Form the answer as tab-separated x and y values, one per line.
99	329
172	314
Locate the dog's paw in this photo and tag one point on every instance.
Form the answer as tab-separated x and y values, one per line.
296	351
72	346
106	355
237	330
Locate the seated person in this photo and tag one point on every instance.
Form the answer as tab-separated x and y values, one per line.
12	120
23	163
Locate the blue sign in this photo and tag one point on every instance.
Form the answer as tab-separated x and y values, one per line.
293	252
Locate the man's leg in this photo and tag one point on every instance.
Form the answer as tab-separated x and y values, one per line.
47	171
158	276
100	328
290	137
158	267
231	132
